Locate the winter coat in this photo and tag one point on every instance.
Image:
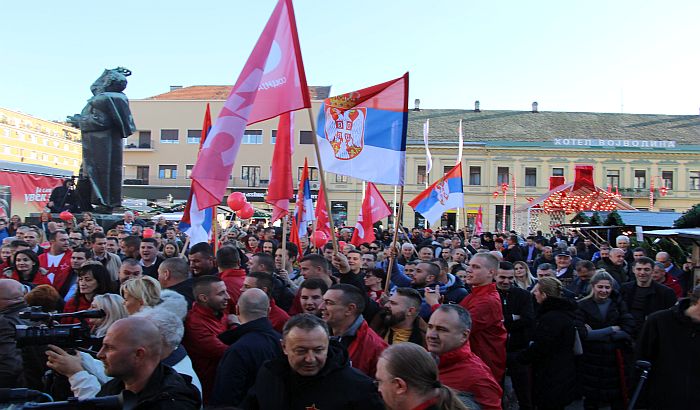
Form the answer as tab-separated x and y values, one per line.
670	340
251	345
337	386
11	366
233	278
165	390
365	348
517	302
462	370
551	353
660	298
488	335
604	360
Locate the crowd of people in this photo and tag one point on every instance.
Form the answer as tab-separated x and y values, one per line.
485	321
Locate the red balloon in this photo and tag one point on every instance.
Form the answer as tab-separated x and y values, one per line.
66	216
148	233
319	239
236	201
247	211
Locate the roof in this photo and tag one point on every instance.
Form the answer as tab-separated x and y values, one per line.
693	233
642	218
34	169
221	92
546	126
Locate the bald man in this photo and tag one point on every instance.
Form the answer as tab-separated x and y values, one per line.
131	353
11	303
251	344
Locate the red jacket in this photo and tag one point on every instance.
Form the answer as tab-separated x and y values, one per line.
277	316
672	283
70	307
203	346
365	349
463	371
57	275
488	335
233	278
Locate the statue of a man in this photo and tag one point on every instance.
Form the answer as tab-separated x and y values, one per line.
104	122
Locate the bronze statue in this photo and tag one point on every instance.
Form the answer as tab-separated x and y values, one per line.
104	122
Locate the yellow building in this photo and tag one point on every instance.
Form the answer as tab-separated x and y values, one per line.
628	152
29	140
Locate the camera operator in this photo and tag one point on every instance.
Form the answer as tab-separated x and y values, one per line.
11	303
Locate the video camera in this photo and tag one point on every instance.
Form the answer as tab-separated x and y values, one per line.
73	336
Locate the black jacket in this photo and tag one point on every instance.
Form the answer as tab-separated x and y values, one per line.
670	340
551	353
517	302
337	386
11	367
251	345
619	273
185	289
165	390
661	297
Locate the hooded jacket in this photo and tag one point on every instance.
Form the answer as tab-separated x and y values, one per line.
337	386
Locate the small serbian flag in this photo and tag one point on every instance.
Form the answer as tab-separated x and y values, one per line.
304	209
444	194
362	134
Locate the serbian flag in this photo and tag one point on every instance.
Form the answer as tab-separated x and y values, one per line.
196	222
479	223
444	194
272	82
281	189
323	220
362	134
374	209
304	210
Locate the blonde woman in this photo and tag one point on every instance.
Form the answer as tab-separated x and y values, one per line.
113	305
140	292
524	279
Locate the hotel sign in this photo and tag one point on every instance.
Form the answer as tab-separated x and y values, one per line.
595	142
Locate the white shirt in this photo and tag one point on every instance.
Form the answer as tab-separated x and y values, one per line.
54	260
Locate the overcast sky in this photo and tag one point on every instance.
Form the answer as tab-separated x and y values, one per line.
600	56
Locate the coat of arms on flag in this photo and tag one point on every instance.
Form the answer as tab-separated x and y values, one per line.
345	130
443	191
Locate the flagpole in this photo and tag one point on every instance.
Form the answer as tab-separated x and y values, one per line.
214	230
387	282
284	242
395	209
322	176
184	247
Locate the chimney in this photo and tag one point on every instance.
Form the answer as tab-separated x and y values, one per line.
534	107
175	87
477	104
417	103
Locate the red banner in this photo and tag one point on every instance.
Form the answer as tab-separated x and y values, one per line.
22	194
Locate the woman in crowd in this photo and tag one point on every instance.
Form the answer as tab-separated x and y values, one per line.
374	282
605	325
251	244
551	352
5	256
93	280
446	254
113	306
15	222
460	271
523	277
27	270
140	292
46	297
171	250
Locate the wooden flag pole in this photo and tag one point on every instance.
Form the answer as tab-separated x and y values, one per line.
284	242
322	176
393	245
214	234
184	247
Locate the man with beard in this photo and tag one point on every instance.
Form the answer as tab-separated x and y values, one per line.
311	295
400	321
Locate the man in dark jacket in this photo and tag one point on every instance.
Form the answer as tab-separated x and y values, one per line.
616	265
131	355
251	344
644	296
669	340
315	373
11	303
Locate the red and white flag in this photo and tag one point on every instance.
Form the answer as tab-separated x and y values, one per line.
272	82
323	220
281	188
374	209
479	223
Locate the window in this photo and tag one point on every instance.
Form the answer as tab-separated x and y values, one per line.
667	178
530	176
251	174
144	139
694	183
421	176
167	171
557	172
503	175
252	137
446	169
474	175
499	217
313	173
306	137
640	179
273	139
613	178
193	136
142	173
188	171
169	136
342	179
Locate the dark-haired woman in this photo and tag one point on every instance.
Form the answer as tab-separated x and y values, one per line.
27	270
93	280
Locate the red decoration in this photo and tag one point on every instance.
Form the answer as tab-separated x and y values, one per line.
247	211
319	239
66	216
663	190
495	194
504	187
555	182
148	233
236	201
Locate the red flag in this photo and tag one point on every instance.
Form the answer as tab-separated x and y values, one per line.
479	223
374	208
272	82
323	220
281	188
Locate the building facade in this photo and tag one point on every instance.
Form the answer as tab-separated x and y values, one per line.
523	149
